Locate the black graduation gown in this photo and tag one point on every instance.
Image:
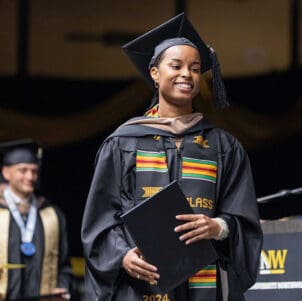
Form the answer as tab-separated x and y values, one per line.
26	282
112	192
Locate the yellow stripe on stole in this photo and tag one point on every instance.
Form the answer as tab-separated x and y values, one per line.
187	170
204	279
152	164
200	165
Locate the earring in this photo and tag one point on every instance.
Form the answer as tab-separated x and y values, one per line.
156	85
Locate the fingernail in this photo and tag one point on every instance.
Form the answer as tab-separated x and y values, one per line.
154	282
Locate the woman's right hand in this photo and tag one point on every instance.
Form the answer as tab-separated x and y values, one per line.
134	264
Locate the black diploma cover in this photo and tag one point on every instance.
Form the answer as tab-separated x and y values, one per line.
151	224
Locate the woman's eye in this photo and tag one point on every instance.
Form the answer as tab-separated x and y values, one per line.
195	69
175	67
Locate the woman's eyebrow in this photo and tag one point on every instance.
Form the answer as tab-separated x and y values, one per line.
178	60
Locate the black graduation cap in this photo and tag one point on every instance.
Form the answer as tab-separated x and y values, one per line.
143	50
20	151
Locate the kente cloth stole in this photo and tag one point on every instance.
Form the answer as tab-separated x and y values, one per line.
4	234
51	250
153	112
197	177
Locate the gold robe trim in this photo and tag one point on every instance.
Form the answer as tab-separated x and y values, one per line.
51	250
4	233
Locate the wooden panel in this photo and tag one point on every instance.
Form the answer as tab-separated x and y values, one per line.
250	36
51	20
8	42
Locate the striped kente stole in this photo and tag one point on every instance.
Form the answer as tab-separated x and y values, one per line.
205	278
151	161
199	169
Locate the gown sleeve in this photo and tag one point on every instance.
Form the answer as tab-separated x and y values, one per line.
238	206
103	240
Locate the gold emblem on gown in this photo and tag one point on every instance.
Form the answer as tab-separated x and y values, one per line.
202	142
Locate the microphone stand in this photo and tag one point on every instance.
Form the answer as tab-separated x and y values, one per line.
281	193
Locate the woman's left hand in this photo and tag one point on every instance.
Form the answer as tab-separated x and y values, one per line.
197	227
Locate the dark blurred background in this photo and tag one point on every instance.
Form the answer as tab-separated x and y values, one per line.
66	83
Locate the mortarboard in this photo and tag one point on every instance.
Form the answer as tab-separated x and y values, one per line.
20	151
146	48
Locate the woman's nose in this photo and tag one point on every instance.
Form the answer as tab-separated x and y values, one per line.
185	72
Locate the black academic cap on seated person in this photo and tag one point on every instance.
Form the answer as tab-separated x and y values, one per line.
143	52
20	151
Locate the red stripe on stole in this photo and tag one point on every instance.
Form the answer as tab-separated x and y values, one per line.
151	162
199	168
142	161
205	275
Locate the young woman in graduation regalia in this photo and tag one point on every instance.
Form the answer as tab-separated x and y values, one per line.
147	153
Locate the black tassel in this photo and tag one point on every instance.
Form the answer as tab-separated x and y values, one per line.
221	99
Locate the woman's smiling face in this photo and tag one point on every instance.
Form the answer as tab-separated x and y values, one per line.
178	75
